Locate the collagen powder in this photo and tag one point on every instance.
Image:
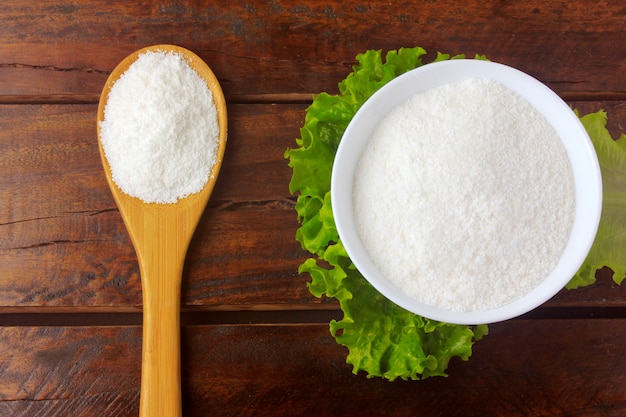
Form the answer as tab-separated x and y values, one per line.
464	196
160	130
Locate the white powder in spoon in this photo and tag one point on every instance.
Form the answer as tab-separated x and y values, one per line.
160	130
464	196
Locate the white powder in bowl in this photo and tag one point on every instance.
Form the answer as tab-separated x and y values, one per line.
160	130
464	196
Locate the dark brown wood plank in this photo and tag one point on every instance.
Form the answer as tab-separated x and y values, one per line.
64	244
256	47
523	368
53	371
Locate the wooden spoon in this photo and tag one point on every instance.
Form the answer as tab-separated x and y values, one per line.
161	234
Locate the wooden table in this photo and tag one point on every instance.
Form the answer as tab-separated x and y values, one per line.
255	342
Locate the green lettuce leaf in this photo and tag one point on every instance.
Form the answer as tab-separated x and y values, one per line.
609	247
383	339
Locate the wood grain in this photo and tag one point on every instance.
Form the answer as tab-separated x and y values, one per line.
306	46
66	244
255	342
523	368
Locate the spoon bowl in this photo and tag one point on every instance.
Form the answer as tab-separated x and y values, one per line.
161	234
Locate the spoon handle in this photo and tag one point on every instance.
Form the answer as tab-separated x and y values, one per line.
161	264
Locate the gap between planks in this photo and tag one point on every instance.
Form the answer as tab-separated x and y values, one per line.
187	318
190	315
65	318
287	98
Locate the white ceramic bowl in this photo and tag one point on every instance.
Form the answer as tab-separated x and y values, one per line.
587	178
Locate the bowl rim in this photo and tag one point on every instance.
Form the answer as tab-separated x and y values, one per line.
579	148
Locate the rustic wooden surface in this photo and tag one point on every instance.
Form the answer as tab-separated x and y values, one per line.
255	342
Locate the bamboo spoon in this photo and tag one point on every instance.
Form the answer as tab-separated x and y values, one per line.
161	234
